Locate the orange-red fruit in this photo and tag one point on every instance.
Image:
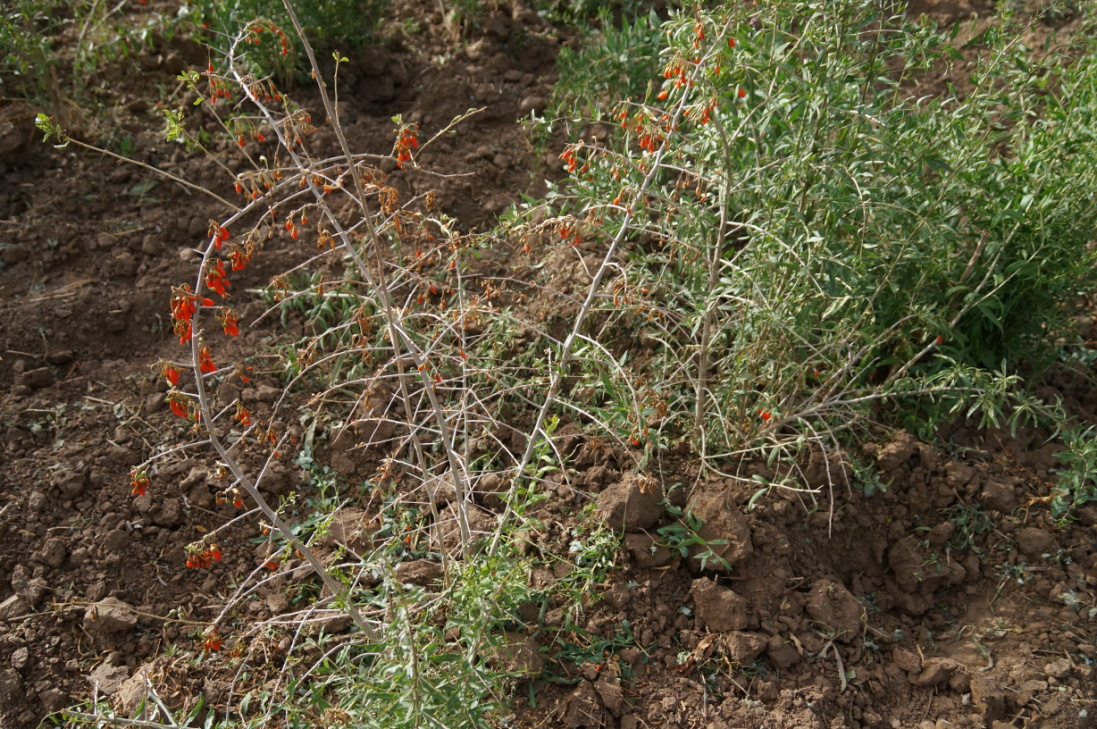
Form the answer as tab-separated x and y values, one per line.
205	361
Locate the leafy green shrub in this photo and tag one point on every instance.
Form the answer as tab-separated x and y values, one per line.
26	49
803	240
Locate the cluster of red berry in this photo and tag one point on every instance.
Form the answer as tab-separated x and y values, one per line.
203	559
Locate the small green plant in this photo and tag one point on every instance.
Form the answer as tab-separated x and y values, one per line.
867	478
616	63
593	548
30	33
970	521
1009	572
1077	483
25	36
573	645
684	535
347	26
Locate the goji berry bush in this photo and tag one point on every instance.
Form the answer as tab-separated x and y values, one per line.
808	247
774	251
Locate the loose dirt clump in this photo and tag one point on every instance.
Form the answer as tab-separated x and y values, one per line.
915	597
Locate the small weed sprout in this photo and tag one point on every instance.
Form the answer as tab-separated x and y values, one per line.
684	535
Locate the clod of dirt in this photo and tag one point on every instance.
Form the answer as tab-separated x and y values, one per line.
70	483
1035	543
52	553
835	607
999	497
632	504
11	687
169	514
489	491
134	690
611	694
988	698
532	103
498	26
109	619
37	379
480	522
520	654
918	575
1028	691
724	531
279	480
719	608
824	470
906	660
441	490
107	679
646	552
744	648
30	589
263	393
958	475
36	501
328	625
17	132
897	452
420	572
60	357
350	528
1060	670
939	535
936	672
115	541
582	707
567	439
12	608
618	596
781	653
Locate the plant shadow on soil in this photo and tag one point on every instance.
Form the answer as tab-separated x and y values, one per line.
949	599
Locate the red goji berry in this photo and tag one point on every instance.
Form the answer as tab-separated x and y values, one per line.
205	361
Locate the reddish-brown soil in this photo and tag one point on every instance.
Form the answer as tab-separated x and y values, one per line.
951	599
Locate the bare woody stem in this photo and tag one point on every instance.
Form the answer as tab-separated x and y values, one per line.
569	343
190	185
397	334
